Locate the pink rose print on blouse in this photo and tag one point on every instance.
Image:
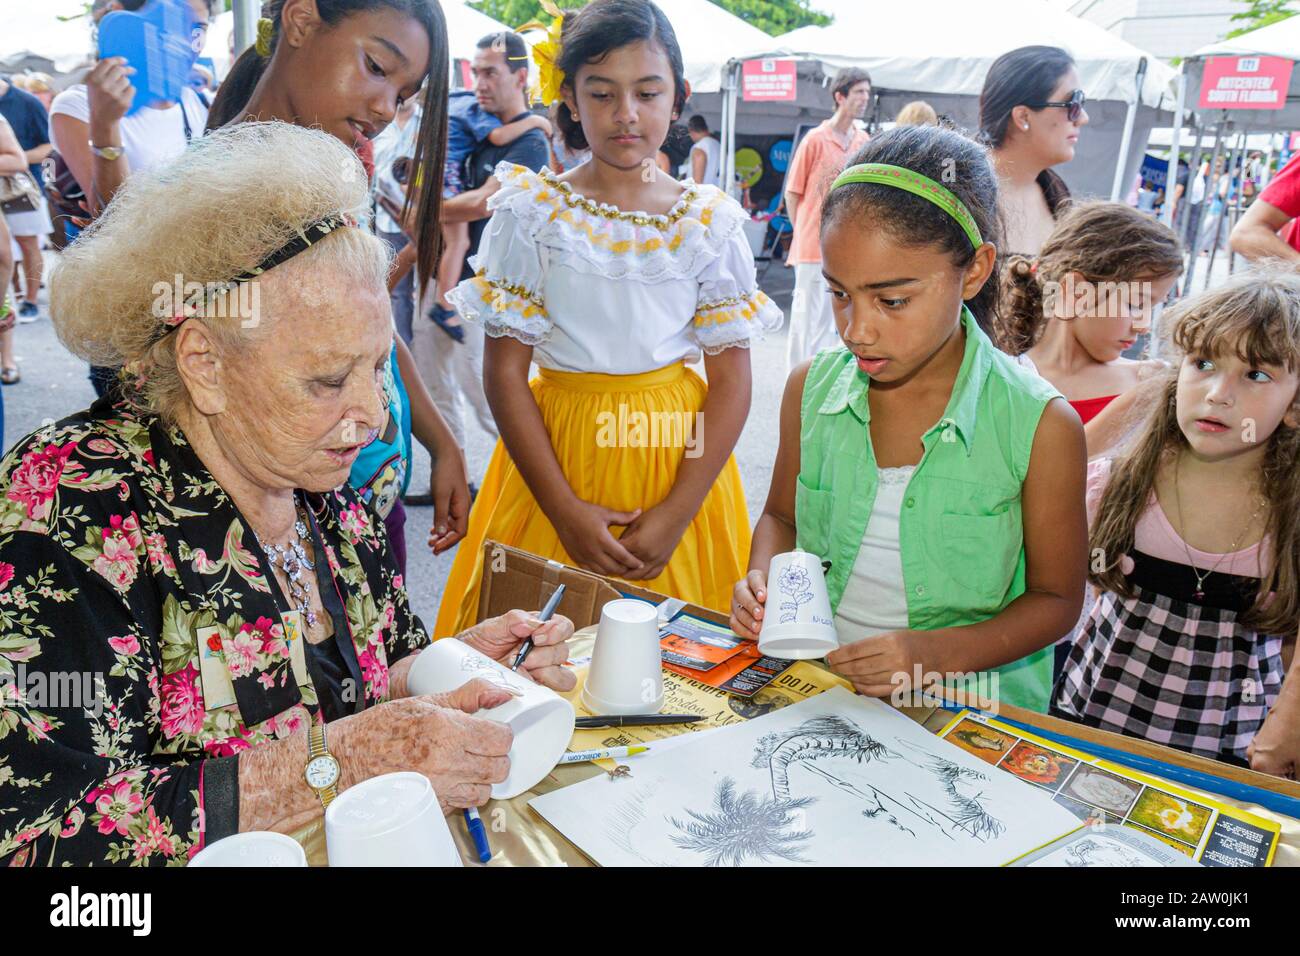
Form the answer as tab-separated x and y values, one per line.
271	635
228	746
34	482
374	672
354	521
159	558
72	823
118	805
127	528
6	574
182	703
242	652
127	645
117	564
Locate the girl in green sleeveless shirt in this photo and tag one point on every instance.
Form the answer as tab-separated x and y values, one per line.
943	483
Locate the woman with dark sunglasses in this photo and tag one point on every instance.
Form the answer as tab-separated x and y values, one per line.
1031	112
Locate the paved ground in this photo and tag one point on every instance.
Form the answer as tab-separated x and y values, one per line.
54	384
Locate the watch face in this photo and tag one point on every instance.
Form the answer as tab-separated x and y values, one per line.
322	771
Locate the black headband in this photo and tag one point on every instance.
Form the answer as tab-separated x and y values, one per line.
307	237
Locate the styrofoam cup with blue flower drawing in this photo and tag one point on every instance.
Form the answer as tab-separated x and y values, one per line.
797	622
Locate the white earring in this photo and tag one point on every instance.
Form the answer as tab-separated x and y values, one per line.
1025	127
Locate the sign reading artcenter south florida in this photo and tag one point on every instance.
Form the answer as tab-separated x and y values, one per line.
1245	82
767	81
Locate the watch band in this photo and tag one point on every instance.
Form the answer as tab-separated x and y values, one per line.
110	153
316	748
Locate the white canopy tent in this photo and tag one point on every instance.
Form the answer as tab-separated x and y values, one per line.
944	59
465	27
709	36
35	31
1232	127
1280	39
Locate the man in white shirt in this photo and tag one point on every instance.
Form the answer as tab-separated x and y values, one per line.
705	154
820	155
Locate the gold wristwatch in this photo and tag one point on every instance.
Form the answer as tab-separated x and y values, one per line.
110	153
322	771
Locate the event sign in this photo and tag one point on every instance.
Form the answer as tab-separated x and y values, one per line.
1245	82
158	41
767	81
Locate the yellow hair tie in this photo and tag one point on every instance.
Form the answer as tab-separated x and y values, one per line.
265	33
546	55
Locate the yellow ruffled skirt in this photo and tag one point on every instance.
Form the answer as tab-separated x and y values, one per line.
598	427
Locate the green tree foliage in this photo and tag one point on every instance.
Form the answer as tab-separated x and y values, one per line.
1259	13
774	17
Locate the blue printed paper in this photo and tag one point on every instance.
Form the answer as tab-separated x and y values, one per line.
158	42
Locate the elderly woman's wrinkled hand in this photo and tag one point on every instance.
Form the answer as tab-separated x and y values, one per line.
501	637
438	736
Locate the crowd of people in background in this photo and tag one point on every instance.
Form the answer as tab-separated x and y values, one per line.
993	479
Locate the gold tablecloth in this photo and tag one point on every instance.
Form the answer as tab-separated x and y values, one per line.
520	837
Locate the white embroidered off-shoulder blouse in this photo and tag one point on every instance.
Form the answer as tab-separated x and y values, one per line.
596	289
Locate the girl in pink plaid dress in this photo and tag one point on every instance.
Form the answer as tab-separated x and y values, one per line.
1195	538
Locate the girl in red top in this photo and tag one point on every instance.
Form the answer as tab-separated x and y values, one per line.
1071	313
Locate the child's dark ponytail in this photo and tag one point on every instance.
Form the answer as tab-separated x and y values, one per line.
949	158
1021	316
237	88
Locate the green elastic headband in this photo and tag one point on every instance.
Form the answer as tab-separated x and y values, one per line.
918	185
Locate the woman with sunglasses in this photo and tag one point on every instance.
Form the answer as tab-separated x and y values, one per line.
1031	111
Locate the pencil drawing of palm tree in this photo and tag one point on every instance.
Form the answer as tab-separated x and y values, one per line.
745	826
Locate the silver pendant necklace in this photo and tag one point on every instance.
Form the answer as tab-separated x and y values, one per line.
292	559
1199	594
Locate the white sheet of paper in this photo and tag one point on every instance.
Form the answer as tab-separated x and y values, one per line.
834	780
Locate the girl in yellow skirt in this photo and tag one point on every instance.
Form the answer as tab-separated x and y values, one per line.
611	277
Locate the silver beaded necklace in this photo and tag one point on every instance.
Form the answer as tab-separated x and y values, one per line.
293	561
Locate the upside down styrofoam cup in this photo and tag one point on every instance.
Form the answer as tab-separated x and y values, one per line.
540	719
626	672
254	848
390	820
797	620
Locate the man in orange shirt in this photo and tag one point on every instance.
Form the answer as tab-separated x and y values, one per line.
818	160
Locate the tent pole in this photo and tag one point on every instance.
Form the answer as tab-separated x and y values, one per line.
1211	185
732	191
1121	165
1228	168
1171	178
724	126
246	13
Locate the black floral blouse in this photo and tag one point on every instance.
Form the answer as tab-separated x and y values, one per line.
144	642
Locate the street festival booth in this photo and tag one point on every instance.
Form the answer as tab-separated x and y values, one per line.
775	90
1235	88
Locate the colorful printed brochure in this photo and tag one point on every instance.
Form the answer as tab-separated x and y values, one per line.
1212	833
712	655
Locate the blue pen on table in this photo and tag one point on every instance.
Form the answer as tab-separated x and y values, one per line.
542	618
478	832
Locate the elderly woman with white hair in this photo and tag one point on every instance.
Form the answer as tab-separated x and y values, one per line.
190	594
